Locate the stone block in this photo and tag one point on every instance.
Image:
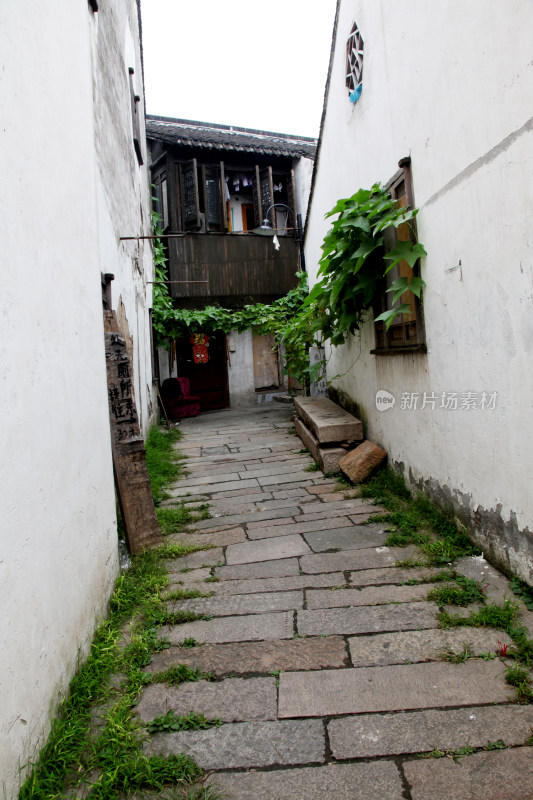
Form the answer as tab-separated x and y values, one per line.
233	629
328	422
239	658
247	744
354	537
233	699
267	569
378	781
370	690
282	584
266	550
358	464
423	731
373	595
326	457
223	606
505	775
196	560
367	577
356	559
426	645
366	619
297	528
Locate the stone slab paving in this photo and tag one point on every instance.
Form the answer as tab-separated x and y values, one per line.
365	690
396	575
199	559
328	652
295	527
357	559
372	595
415	646
231	699
234	629
277	584
328	663
354	537
241	603
266	550
260	569
248	744
377	781
366	619
423	731
505	775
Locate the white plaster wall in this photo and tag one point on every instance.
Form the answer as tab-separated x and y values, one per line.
303	173
58	532
434	88
241	372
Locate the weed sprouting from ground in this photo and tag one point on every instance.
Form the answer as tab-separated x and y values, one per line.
463	593
96	738
173	722
416	520
172	520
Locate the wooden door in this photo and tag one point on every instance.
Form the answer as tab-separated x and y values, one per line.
266	374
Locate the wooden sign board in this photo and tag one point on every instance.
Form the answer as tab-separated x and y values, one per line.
129	461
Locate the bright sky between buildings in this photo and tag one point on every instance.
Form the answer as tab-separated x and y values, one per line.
239	62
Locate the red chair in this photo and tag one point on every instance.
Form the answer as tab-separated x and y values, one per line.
177	398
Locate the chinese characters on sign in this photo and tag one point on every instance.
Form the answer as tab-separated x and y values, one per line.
446	401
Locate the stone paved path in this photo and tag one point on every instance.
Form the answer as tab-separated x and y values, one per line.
326	661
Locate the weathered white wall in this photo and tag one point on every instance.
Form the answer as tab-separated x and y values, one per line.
71	186
303	173
436	88
241	372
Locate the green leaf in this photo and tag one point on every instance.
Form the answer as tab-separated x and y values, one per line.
388	316
405	251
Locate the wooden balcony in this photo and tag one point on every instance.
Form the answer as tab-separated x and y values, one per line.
234	265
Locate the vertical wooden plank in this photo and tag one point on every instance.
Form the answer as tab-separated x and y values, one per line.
258	209
266	374
190	197
223	197
129	463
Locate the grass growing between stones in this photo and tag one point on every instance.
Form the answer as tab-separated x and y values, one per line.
94	747
503	616
415	520
188	722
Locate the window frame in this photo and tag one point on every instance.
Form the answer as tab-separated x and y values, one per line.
404	335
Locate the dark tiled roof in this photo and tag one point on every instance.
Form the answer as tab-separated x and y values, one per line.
225	137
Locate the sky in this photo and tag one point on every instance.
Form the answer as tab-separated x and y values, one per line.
238	62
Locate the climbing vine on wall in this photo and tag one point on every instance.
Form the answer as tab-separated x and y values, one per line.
353	265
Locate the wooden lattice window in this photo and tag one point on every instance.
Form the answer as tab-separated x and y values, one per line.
354	63
406	334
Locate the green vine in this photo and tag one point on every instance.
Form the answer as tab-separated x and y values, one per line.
354	263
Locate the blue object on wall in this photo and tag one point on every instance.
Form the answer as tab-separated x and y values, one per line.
356	94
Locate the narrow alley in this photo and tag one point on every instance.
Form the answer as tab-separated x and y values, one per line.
330	674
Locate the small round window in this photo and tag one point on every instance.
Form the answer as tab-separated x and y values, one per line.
354	64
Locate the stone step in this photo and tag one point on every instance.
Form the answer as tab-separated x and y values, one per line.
366	619
326	457
248	744
408	647
346	537
505	775
369	690
377	781
233	699
357	559
223	606
370	596
327	421
252	585
370	735
238	658
266	549
234	629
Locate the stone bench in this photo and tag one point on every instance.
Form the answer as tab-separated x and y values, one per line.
323	426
